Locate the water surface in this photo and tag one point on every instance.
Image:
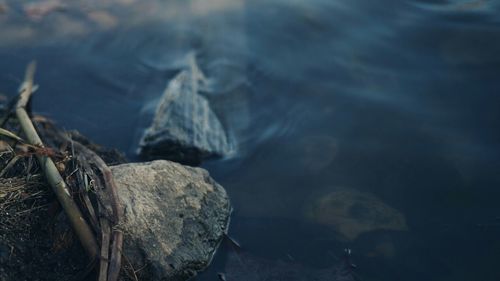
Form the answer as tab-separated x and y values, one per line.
395	100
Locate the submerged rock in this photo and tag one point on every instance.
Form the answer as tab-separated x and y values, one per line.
353	213
175	217
245	267
184	128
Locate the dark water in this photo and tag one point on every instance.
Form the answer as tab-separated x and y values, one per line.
393	102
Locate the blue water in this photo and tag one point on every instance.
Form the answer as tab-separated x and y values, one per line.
396	99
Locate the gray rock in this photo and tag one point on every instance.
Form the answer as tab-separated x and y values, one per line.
184	128
175	217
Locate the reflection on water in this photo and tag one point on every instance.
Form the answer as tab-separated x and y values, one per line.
394	100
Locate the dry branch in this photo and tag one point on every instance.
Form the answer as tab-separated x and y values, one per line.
108	195
55	180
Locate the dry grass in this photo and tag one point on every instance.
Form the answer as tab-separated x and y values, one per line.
29	213
19	197
23	189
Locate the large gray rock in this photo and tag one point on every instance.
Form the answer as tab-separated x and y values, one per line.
184	128
175	217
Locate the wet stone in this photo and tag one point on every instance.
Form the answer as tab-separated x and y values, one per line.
175	218
185	129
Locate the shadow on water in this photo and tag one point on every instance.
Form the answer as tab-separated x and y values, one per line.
392	104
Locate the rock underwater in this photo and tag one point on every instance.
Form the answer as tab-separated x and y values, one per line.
175	217
185	129
245	267
353	213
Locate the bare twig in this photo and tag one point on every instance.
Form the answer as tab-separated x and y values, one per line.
55	180
90	172
108	192
90	209
9	165
10	134
134	272
105	234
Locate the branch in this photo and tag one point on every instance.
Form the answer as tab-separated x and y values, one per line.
109	196
55	180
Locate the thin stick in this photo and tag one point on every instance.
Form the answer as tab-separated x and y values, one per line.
112	194
131	269
55	180
11	163
103	267
116	255
92	216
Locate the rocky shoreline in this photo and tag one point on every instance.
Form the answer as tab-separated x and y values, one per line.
174	216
